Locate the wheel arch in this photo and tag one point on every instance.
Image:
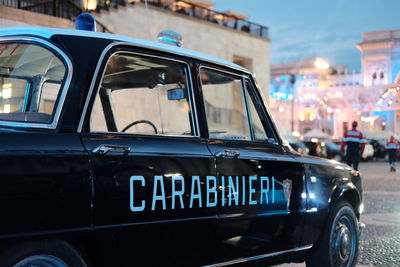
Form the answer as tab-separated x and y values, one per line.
349	194
86	245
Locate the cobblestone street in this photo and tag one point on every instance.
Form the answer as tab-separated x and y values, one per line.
380	240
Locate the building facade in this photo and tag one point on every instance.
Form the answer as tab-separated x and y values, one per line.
227	35
325	97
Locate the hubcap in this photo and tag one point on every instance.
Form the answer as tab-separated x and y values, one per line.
343	242
41	261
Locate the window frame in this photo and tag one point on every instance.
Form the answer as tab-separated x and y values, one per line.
58	106
98	78
262	111
240	77
258	104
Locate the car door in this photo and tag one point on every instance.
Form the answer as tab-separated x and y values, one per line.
260	207
149	163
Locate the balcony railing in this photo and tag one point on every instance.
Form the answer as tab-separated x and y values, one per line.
59	8
70	9
203	13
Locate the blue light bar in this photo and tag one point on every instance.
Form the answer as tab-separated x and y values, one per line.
86	22
170	37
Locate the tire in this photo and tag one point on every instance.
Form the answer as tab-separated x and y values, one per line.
338	245
45	253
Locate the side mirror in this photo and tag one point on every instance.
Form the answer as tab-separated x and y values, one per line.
176	94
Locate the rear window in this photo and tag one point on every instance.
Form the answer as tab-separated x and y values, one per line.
31	79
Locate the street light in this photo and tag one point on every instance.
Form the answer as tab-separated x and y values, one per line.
292	81
321	63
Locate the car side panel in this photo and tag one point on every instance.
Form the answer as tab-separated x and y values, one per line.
325	185
149	229
45	183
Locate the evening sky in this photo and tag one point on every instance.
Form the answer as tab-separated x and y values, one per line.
323	28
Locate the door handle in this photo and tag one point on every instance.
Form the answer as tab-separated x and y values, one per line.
104	149
228	154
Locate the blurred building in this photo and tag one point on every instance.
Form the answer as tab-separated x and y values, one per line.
227	35
309	93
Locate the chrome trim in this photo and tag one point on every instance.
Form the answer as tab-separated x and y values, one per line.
104	149
91	88
192	103
64	90
361	227
247	107
155	222
258	257
237	215
238	76
145	135
264	102
312	210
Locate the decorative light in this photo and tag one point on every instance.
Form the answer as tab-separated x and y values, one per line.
321	63
339	94
296	134
91	4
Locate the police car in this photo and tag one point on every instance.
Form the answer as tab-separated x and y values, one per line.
116	151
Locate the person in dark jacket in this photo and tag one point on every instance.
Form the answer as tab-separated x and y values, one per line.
391	147
354	142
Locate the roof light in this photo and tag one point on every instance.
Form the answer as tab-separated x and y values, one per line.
86	22
170	37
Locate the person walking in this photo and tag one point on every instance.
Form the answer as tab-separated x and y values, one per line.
354	144
391	147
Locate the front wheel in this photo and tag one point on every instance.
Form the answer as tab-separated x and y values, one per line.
45	253
338	246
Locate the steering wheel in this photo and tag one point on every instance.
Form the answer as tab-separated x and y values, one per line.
140	121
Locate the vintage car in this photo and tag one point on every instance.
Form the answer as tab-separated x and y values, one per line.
117	151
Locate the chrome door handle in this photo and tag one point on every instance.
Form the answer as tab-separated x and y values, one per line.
104	149
227	154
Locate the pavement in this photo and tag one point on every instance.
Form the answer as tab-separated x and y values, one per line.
380	240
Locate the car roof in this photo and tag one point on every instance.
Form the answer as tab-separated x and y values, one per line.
47	33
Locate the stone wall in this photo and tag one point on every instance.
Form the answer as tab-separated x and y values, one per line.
137	21
10	17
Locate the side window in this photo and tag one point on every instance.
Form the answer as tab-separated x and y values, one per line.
143	95
225	105
31	79
48	97
256	123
